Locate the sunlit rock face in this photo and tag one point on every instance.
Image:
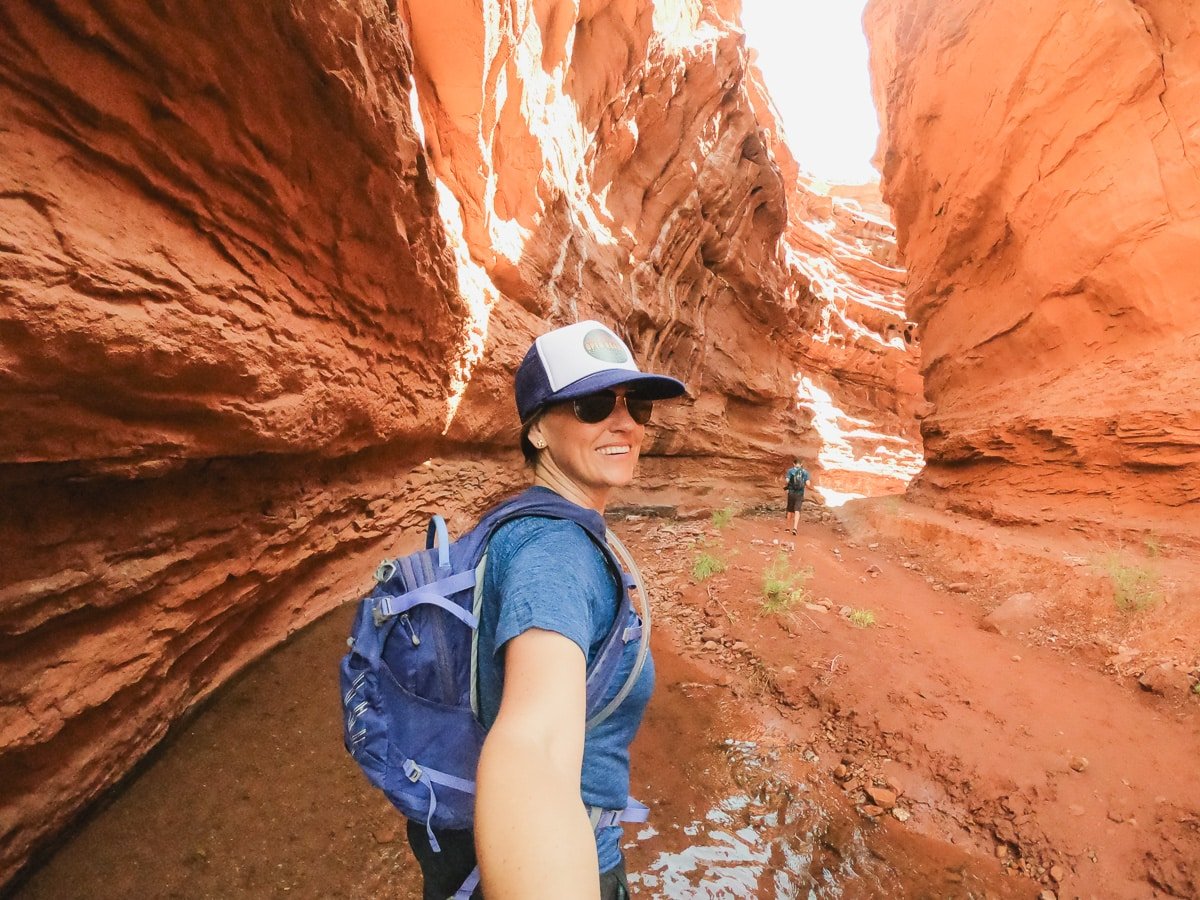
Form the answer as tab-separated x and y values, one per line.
1044	169
266	276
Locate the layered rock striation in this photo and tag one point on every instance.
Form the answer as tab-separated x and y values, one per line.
1044	170
265	277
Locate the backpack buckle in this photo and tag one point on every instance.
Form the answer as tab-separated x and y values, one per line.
385	571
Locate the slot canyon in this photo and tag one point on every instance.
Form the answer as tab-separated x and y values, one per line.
266	274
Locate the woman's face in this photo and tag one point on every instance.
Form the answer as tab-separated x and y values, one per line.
583	461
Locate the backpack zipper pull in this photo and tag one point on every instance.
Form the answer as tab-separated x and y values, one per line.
412	632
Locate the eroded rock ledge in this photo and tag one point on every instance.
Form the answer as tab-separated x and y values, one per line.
266	275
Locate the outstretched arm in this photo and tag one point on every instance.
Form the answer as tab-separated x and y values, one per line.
532	832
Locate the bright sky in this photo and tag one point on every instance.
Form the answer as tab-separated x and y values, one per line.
813	55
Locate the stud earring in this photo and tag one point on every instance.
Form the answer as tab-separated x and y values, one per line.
540	443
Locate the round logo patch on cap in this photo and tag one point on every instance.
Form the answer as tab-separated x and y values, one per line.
601	345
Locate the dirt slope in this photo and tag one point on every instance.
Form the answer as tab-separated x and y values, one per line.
919	756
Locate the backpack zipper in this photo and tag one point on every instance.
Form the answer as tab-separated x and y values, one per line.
412	632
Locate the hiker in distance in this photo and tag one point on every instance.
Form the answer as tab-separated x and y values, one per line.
796	477
552	784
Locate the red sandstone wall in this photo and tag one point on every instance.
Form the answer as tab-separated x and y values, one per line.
1044	168
259	311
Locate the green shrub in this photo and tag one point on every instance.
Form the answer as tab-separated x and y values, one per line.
722	517
1135	588
862	618
707	565
783	587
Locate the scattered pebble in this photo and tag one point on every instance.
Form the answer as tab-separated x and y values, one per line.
1057	873
1079	763
900	814
1016	657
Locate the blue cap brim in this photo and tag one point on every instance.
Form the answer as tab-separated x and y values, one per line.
652	387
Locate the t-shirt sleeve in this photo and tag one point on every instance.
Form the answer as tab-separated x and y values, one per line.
550	575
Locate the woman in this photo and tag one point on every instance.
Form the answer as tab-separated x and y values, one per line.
549	599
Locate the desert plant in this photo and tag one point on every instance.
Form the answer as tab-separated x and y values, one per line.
783	587
722	517
862	618
707	565
1153	545
1135	588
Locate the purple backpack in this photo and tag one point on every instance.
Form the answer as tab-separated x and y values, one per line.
408	680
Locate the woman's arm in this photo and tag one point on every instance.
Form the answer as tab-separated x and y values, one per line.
532	832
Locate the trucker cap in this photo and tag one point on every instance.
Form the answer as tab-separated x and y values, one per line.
581	359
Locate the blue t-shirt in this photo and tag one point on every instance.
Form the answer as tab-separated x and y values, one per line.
548	574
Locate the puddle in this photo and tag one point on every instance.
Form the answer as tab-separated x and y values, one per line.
764	841
775	837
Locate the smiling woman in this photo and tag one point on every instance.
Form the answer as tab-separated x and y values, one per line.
813	56
552	615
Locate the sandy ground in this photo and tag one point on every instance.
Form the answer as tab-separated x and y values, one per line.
870	740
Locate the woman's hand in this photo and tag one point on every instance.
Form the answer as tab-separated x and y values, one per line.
532	832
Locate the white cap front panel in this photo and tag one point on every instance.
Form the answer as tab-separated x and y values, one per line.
579	350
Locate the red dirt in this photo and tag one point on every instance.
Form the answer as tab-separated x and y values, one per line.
975	734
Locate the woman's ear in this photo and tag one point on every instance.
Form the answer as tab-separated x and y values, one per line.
536	437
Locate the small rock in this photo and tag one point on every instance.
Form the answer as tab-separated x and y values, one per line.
873	546
1016	657
873	570
881	796
1057	873
815	607
1020	612
711	645
900	814
1002	851
1165	680
938	612
740	647
871	810
958	587
1079	763
1047	895
841	773
385	835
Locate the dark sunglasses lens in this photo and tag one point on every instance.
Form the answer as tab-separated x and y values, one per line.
639	409
595	407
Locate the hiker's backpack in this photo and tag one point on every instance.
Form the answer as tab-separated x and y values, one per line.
797	479
408	680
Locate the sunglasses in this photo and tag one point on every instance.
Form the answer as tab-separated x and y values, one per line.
595	408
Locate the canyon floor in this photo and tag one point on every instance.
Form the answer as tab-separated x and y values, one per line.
870	739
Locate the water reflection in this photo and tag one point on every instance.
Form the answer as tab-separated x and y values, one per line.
770	839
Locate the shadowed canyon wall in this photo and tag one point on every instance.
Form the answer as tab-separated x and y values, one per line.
266	271
1043	163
